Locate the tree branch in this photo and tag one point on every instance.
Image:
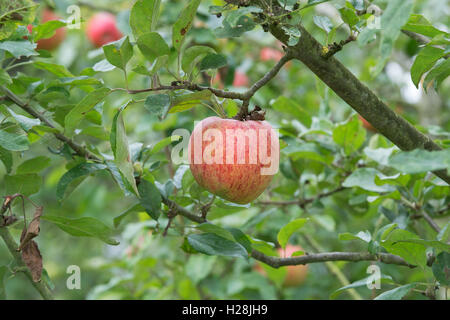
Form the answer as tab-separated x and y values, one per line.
335	47
422	214
80	150
357	95
12	247
301	202
276	262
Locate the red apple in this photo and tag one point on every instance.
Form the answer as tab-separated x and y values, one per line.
240	80
267	54
234	159
366	124
102	29
54	41
295	275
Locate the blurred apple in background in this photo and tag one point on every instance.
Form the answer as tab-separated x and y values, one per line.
267	54
60	34
366	124
102	29
295	275
240	80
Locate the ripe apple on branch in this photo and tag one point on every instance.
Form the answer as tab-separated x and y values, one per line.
234	159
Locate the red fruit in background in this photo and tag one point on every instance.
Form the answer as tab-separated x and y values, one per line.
240	79
267	54
295	275
102	29
366	124
233	159
60	34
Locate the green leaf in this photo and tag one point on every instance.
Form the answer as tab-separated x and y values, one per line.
77	114
7	159
26	184
309	151
419	24
17	13
419	160
380	155
150	198
217	230
397	293
118	53
144	16
56	69
194	54
286	232
186	101
323	22
163	143
234	16
429	243
152	45
350	135
184	23
34	165
4	77
293	33
289	106
198	267
361	283
22	48
136	208
79	81
227	31
13	141
83	227
413	253
212	61
158	104
425	60
444	234
349	16
438	74
25	122
120	148
83	169
212	244
441	268
362	235
365	179
103	66
393	19
241	238
47	29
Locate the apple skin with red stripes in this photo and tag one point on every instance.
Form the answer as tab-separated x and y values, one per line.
217	148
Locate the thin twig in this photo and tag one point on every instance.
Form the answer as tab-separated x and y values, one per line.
301	202
80	150
276	262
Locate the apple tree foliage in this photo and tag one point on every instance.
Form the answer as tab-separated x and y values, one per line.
86	137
